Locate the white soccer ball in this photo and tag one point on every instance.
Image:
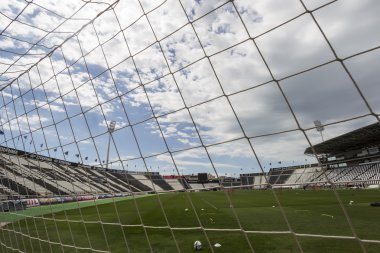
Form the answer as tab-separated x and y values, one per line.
197	245
186	209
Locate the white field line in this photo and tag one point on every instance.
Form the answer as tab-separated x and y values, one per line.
328	215
208	203
56	243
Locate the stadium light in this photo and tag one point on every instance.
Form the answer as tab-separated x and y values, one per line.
319	127
111	128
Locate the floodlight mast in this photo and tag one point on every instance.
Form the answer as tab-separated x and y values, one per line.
111	128
319	127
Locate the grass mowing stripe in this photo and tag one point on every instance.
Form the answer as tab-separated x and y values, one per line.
262	223
48	209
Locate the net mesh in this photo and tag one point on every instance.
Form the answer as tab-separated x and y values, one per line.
139	126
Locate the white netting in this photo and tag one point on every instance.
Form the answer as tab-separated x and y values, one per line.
141	126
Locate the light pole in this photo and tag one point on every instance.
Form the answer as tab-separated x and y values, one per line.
111	128
319	127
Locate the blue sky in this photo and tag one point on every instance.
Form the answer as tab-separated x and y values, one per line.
224	83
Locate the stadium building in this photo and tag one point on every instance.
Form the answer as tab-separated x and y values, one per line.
357	147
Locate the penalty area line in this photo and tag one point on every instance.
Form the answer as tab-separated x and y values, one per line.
328	215
208	203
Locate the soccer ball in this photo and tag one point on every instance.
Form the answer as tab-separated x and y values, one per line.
197	245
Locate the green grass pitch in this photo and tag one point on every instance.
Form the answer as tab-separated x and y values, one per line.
116	226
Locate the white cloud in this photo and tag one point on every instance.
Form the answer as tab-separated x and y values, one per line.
262	15
128	12
351	21
151	64
220	29
288	55
164	90
116	50
198	83
162	18
182	48
196	9
325	93
328	95
366	77
263	110
244	68
216	122
139	35
12	8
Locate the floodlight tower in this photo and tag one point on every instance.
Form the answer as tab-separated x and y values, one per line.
319	127
111	128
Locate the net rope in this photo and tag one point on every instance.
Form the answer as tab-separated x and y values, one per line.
16	74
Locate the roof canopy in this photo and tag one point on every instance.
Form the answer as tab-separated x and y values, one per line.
364	137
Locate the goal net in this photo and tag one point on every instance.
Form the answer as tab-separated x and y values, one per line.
187	125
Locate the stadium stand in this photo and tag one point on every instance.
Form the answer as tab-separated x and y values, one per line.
184	183
147	181
175	184
200	186
231	184
27	175
123	185
196	186
360	175
254	180
213	185
353	148
11	206
135	184
365	175
347	162
302	175
159	181
30	177
351	159
279	175
5	191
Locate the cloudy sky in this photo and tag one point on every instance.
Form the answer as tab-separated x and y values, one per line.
194	85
